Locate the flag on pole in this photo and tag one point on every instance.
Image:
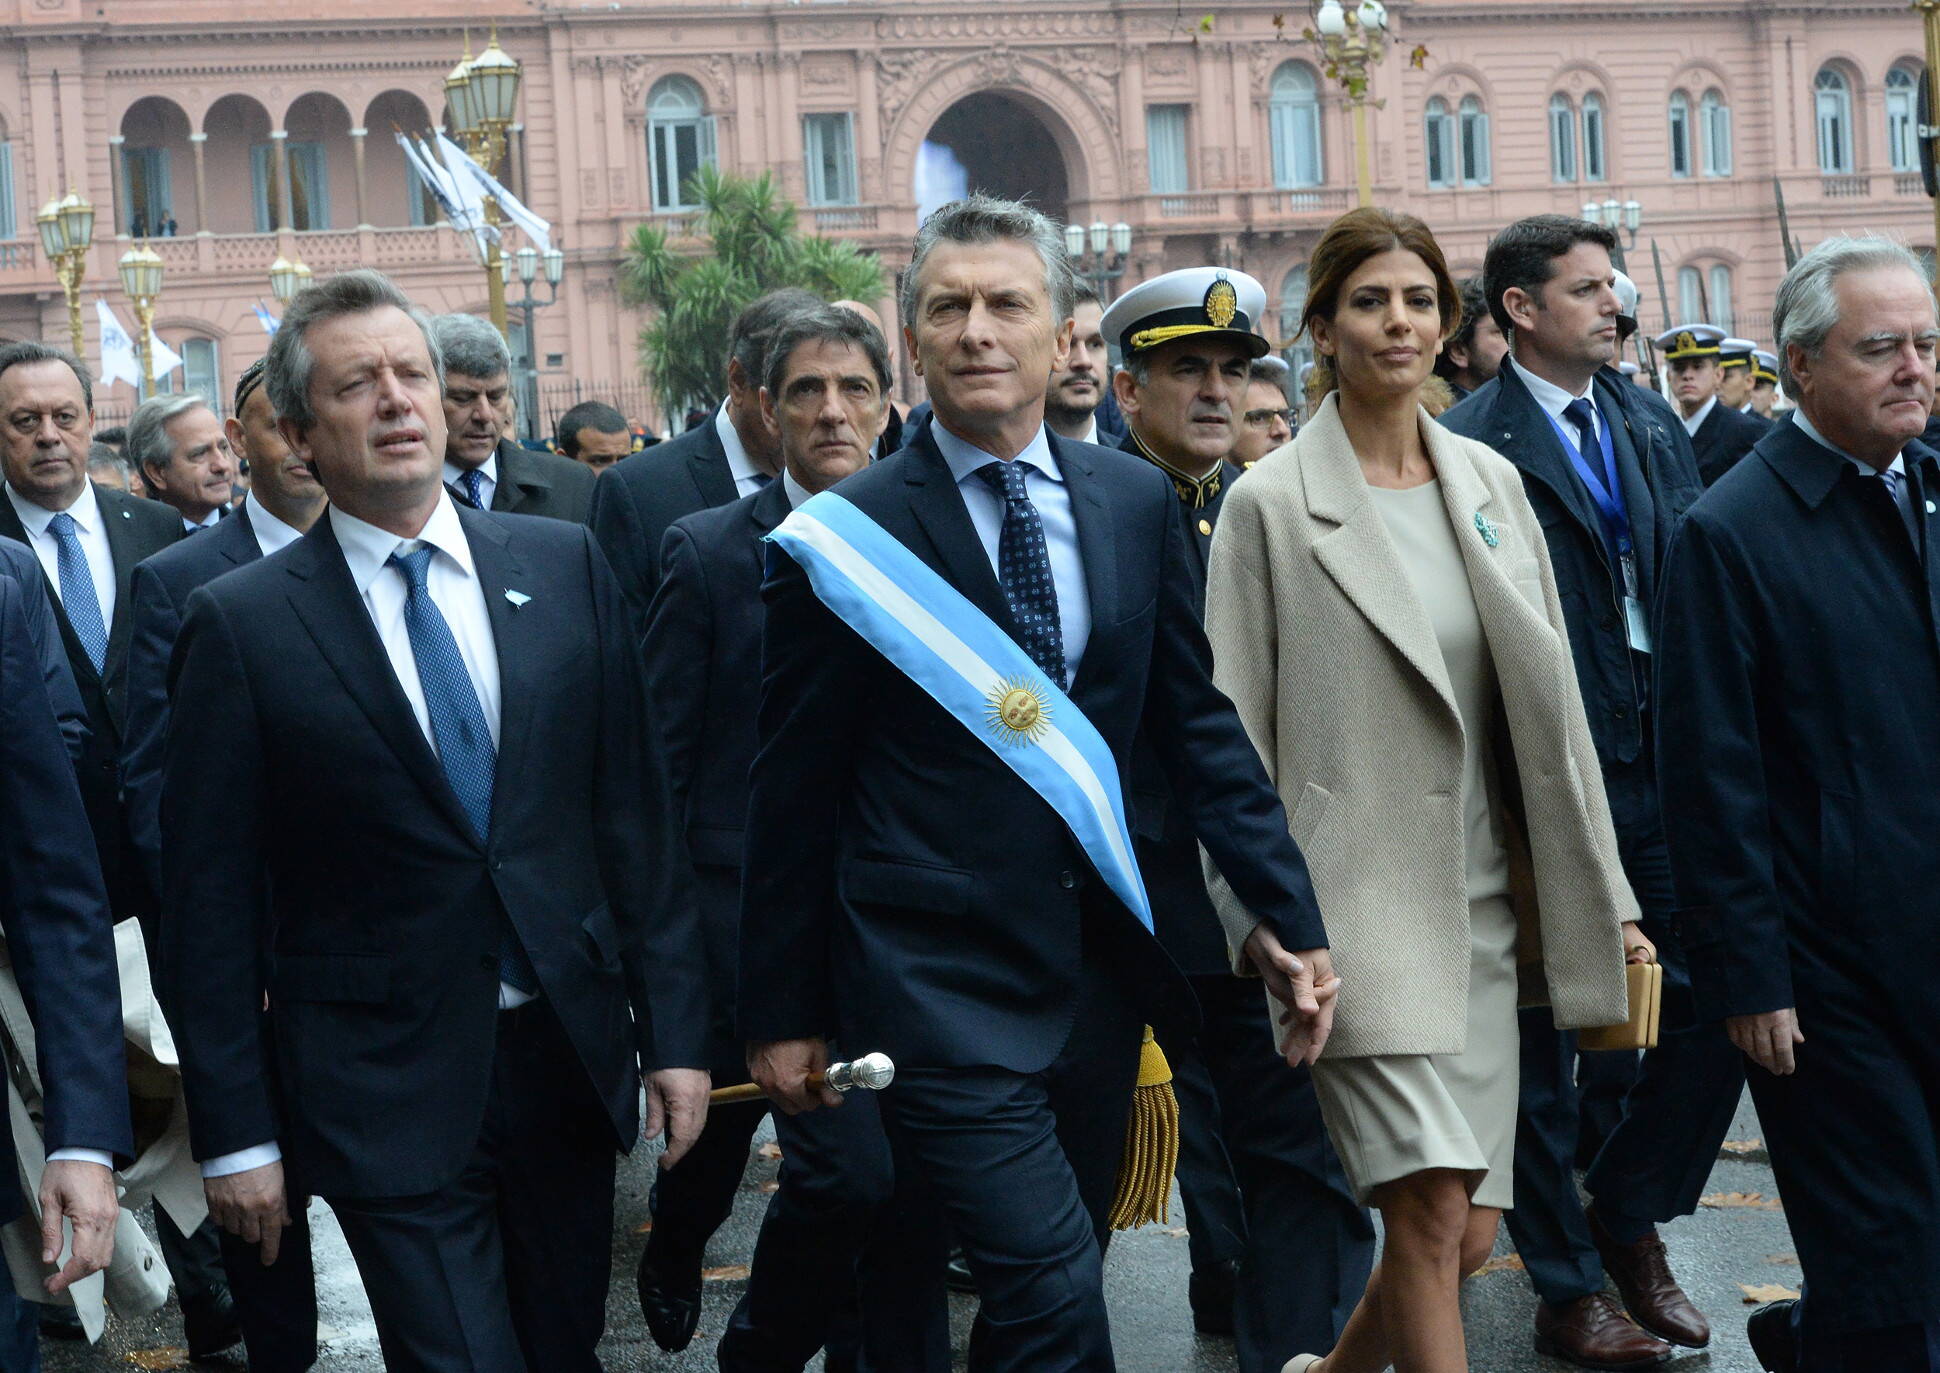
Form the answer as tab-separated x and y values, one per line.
266	319
118	362
456	197
529	223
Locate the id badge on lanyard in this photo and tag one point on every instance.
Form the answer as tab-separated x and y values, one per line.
1606	493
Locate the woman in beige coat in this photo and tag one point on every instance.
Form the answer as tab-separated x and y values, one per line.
1382	612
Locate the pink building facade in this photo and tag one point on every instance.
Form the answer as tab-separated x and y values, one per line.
259	131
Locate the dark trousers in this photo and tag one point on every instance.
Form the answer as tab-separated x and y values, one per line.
505	1270
1652	1167
1305	1247
1023	1167
19	1330
276	1304
194	1261
690	1202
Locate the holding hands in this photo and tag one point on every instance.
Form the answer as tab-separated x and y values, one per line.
1305	986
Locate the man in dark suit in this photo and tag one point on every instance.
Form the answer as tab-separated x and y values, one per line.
469	947
44	630
1720	434
1280	1250
87	540
723	458
1551	286
483	465
1081	385
179	447
594	434
275	1303
906	891
1799	657
825	393
54	913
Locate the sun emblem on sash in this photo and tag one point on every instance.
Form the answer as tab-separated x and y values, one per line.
1221	303
1017	714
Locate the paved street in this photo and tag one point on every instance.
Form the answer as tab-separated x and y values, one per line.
1713	1252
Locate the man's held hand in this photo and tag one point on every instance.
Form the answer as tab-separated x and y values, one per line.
251	1205
1767	1039
84	1195
782	1068
1305	986
677	1103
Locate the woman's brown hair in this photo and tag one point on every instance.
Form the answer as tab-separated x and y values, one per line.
1350	241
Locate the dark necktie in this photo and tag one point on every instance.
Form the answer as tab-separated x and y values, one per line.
473	481
1895	484
1578	413
1024	568
78	597
458	727
763	478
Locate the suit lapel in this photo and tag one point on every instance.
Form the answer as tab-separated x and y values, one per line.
1639	501
238	537
1359	555
1525	429
327	602
516	482
514	630
126	553
959	553
709	469
1097	549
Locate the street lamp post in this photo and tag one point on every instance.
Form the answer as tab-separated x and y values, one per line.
1622	217
66	230
141	279
287	277
483	93
529	261
1351	43
1110	251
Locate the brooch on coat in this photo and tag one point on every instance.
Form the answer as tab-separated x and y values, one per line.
1486	530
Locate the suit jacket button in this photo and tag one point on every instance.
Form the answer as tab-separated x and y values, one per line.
1067	879
1621	713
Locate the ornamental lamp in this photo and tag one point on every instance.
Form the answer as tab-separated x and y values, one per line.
77	220
1633	215
1373	15
555	266
458	96
1100	237
494	84
1121	238
1074	240
141	272
282	278
53	234
528	263
1331	19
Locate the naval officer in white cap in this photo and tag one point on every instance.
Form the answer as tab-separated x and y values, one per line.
1719	435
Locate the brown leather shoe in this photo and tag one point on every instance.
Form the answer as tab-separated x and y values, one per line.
1591	1332
1642	1274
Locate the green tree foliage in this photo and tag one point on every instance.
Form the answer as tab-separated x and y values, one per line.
754	248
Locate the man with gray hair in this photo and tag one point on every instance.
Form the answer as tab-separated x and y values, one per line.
474	952
1797	670
484	465
179	447
907	891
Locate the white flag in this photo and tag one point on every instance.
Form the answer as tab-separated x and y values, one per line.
531	224
166	358
118	361
455	195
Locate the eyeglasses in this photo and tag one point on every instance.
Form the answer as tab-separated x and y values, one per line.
1260	419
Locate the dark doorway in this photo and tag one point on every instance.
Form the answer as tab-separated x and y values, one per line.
1005	150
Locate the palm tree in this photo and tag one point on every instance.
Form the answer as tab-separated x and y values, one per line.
754	248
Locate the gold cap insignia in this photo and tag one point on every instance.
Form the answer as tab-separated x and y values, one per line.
1017	714
1686	341
1222	303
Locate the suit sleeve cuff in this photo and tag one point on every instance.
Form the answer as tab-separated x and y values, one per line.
100	1156
241	1161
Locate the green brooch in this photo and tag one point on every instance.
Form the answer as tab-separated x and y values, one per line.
1486	530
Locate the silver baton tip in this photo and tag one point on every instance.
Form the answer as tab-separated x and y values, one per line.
873	1071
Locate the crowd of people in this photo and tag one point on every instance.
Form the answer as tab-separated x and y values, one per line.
410	819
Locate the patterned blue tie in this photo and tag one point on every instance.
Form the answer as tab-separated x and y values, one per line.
472	480
458	728
1024	567
78	598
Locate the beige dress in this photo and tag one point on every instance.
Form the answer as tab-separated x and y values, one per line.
1393	1115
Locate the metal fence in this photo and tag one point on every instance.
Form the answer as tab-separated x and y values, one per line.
631	398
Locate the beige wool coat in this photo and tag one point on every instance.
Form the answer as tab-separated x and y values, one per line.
1324	647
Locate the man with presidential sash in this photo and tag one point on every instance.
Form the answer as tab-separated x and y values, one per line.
961	643
1280	1249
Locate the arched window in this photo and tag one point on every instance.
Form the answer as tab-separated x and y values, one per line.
1714	131
1595	163
1832	99
680	140
1562	138
1293	119
200	372
1680	127
1474	122
1690	296
1721	297
1300	352
1902	105
1439	131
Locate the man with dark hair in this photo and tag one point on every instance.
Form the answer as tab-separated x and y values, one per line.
1474	352
720	460
436	1005
1081	385
594	433
179	447
910	890
482	463
1720	434
1266	418
106	467
1610	474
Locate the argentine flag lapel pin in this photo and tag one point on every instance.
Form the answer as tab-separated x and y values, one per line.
517	598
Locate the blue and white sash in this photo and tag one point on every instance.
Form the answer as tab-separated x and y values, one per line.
933	633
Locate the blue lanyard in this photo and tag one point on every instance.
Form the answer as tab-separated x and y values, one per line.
1606	490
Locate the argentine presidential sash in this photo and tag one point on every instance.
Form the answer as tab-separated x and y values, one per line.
936	636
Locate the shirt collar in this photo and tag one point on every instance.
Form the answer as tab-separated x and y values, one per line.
1692	424
272	534
209	521
740	466
1194	492
367	548
1091	431
1553	399
965	457
1811	431
455	475
797	493
35	518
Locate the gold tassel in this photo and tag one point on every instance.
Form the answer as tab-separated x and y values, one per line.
1151	1144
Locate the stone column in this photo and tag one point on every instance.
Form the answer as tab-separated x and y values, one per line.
197	141
872	171
118	175
279	153
363	186
514	175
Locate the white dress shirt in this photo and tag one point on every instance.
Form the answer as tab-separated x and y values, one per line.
1045	486
1902	494
487	478
1691	422
797	493
209	521
748	478
91	528
460	598
1553	399
272	535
